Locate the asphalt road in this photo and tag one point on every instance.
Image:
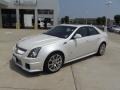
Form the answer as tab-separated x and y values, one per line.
92	73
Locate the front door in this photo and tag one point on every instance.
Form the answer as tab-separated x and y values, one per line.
76	48
80	46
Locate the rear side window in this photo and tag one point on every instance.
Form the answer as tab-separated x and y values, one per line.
92	31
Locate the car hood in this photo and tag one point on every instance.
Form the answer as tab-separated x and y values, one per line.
37	41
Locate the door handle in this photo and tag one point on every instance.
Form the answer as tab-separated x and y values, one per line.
98	38
87	40
65	43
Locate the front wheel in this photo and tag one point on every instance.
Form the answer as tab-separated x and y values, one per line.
53	63
101	50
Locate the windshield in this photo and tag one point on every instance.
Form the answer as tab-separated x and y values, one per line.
61	31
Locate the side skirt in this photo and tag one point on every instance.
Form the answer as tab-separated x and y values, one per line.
80	57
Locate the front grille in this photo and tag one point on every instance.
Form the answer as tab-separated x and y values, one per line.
20	50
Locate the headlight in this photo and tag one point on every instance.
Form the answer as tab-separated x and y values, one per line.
34	52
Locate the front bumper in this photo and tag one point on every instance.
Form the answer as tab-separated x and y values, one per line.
26	64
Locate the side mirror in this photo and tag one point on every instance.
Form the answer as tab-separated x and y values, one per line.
77	36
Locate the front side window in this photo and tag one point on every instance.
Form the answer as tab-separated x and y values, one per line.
83	31
61	31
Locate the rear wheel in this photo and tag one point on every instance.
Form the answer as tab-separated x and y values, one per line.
53	63
101	50
119	32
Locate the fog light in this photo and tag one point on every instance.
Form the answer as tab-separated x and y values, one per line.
27	66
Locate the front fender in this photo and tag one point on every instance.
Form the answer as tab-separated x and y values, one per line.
47	50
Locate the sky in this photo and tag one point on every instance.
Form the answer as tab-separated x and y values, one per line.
88	8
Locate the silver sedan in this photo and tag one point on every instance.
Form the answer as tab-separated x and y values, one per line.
62	44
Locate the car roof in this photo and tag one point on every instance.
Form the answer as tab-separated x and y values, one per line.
75	25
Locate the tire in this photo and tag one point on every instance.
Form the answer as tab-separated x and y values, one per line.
119	32
53	63
101	50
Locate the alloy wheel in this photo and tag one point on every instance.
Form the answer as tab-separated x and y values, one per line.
102	49
55	62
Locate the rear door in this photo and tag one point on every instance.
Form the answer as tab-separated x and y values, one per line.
93	39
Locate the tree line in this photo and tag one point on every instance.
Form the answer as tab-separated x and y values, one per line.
99	20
